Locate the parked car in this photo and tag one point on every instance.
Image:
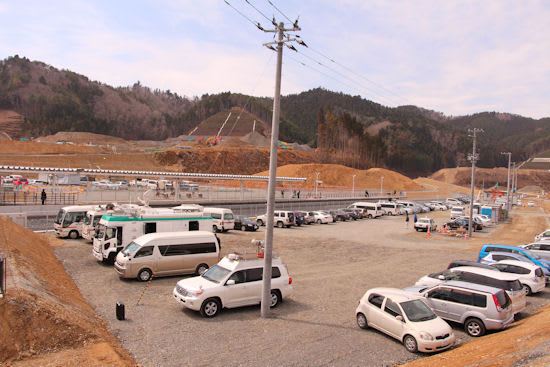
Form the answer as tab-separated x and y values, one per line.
352	213
530	203
244	223
534	258
543	236
322	217
405	317
281	218
456	211
541	249
309	218
463	222
490	277
483	219
425	224
455	263
530	275
235	281
478	307
438	205
339	215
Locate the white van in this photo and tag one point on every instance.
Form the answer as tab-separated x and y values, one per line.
168	253
456	212
70	220
372	210
391	207
222	218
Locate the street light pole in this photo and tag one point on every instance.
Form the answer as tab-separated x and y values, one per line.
353	185
316	182
508	183
473	157
381	184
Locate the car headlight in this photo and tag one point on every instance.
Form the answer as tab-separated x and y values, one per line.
426	336
194	293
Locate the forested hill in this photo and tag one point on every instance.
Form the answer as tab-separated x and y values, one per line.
355	131
55	100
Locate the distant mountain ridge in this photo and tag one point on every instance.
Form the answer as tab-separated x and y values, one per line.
409	139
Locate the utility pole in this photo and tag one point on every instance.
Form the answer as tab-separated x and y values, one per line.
508	183
473	157
268	248
513	182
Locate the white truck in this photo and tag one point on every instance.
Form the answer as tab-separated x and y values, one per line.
119	229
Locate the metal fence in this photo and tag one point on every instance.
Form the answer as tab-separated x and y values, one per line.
16	197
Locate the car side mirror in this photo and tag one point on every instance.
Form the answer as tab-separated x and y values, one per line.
230	282
399	318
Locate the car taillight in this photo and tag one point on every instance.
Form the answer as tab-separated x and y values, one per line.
289	280
497	303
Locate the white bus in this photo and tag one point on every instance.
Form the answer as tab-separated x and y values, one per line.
119	229
70	220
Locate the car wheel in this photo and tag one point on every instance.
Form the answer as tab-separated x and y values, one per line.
201	268
275	298
362	321
318	221
260	222
210	307
215	229
527	289
416	229
369	216
474	327
243	228
73	235
144	275
280	224
410	343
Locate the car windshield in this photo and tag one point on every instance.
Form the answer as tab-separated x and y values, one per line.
416	310
215	274
130	249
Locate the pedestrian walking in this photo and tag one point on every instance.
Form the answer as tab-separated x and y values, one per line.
43	196
282	193
298	194
366	193
415	218
407	219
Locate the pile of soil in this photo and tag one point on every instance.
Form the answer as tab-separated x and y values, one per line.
43	313
31	147
82	138
335	175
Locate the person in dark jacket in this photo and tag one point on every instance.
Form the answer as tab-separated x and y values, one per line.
43	196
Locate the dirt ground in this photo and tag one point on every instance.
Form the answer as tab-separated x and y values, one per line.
43	316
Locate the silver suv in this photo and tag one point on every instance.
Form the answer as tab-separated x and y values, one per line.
281	218
478	307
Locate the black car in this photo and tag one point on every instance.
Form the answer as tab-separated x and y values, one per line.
352	213
245	224
339	215
463	222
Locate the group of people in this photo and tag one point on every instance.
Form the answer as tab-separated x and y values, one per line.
407	219
295	194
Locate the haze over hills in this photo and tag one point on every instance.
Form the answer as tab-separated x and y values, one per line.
349	129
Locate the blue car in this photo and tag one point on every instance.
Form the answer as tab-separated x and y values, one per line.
534	258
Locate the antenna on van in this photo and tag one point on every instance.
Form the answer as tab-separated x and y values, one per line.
144	200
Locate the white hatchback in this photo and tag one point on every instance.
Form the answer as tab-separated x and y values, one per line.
235	281
404	316
530	275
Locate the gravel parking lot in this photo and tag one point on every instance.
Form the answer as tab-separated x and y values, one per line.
331	266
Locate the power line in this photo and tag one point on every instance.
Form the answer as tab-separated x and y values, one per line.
355	73
375	93
272	21
256	24
283	14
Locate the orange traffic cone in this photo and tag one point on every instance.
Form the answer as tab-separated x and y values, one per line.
429	234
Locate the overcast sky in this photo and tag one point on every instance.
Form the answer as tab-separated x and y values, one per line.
456	57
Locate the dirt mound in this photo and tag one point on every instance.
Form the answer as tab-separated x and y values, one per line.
12	147
82	138
335	175
43	311
257	139
488	177
239	123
